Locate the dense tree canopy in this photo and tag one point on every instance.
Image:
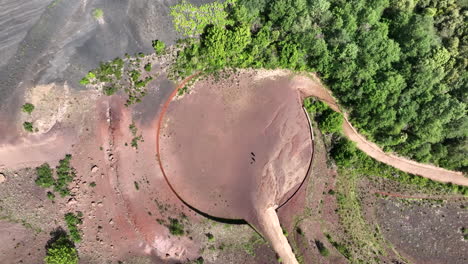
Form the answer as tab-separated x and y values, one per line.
398	67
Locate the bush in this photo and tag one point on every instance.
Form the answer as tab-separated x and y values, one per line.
44	176
331	121
73	221
110	90
344	152
65	175
28	126
28	108
62	251
158	46
98	13
176	228
148	67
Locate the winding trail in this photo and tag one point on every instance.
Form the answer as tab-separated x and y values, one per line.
311	86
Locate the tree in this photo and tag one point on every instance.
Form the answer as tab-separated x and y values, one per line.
331	121
61	251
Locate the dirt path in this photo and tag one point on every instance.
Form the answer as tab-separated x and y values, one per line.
268	220
311	86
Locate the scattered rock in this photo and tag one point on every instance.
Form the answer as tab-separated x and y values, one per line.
2	178
71	201
94	169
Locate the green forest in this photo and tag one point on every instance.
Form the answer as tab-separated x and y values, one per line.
398	67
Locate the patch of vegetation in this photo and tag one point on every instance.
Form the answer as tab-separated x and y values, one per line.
340	247
87	79
191	20
398	69
28	108
252	244
110	90
176	227
158	47
64	176
329	121
348	156
45	177
210	237
60	250
137	186
148	67
98	13
135	139
28	126
364	242
73	221
92	184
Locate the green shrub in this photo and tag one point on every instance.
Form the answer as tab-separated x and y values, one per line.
28	126
28	108
158	46
65	175
110	90
315	106
84	81
148	67
98	13
176	228
44	176
61	251
331	121
73	221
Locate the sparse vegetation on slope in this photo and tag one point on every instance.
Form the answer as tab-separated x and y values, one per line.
64	176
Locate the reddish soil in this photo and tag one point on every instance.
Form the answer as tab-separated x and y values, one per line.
252	145
235	148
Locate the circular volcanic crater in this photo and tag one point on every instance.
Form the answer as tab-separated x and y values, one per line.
236	145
